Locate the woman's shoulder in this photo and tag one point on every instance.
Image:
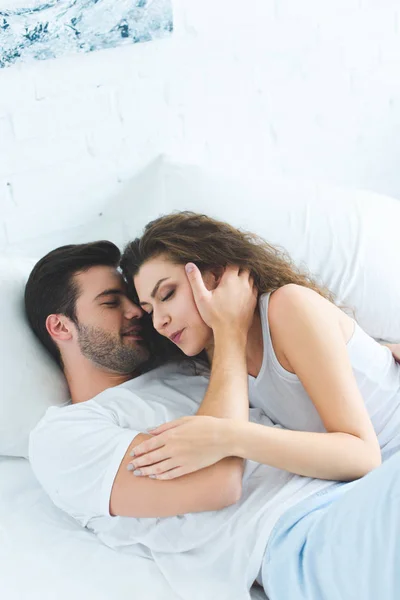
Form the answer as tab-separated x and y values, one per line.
286	301
296	296
292	303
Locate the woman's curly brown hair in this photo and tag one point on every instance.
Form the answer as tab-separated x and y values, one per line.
191	237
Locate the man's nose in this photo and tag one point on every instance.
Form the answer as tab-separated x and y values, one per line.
132	310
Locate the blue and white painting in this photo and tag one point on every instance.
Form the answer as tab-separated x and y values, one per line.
36	29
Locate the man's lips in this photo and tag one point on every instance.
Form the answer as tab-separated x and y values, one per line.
133	333
175	337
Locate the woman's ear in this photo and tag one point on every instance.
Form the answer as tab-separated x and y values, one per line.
212	277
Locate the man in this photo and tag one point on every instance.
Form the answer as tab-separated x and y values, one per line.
77	305
208	530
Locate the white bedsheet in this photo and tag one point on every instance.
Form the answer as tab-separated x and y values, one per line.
45	555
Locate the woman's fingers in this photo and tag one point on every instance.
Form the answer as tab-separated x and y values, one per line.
171	474
166	426
148	459
157	470
148	445
196	281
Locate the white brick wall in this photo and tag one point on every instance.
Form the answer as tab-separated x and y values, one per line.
306	89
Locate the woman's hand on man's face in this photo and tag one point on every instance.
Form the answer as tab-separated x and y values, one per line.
231	304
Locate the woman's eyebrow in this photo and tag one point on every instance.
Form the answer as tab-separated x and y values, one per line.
155	289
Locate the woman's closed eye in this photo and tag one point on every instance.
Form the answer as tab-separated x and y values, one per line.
164	299
171	293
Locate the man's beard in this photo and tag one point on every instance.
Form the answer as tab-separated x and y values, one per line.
109	351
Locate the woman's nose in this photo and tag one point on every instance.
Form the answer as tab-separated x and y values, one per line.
160	321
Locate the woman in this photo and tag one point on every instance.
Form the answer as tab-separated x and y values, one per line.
313	369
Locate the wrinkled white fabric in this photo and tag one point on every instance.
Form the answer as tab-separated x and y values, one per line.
76	450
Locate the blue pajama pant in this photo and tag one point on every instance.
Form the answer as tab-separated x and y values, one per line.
340	545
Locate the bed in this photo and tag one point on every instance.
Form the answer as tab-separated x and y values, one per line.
347	237
46	555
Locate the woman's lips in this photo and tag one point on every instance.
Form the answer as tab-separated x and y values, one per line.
177	336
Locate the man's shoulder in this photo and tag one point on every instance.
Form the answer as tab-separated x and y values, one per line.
69	411
66	434
124	405
189	367
71	419
101	403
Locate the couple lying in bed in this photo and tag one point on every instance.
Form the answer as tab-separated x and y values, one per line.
158	454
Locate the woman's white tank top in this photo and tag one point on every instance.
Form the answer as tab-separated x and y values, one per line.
281	395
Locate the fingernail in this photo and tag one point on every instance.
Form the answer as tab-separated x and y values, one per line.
132	453
149	429
189	267
137	472
130	467
153	476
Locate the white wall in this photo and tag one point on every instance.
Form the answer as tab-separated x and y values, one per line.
304	89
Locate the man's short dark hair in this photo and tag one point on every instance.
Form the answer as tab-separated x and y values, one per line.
52	288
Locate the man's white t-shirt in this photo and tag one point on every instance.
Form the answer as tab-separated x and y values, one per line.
76	450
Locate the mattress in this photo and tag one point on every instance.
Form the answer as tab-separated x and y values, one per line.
46	555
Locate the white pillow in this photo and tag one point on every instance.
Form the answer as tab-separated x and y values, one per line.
349	239
30	379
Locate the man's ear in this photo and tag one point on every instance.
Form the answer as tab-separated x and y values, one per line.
59	327
212	277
